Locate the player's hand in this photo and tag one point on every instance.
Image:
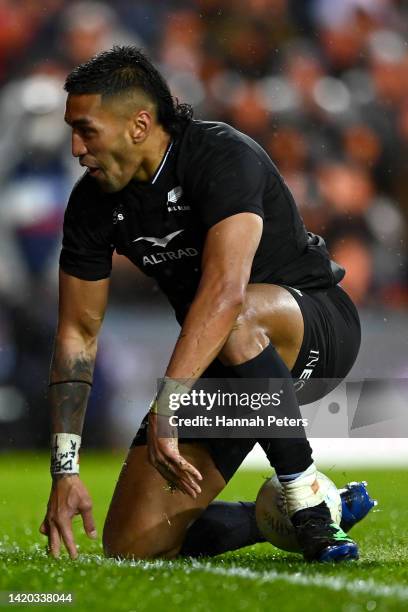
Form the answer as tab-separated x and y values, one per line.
68	497
164	455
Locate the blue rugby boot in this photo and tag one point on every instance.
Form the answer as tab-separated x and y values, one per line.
320	539
356	503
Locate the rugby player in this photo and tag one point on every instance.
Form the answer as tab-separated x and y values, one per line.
201	208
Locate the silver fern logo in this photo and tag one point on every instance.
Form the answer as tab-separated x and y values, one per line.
175	194
173	197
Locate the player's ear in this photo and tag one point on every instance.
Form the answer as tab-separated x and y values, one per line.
140	126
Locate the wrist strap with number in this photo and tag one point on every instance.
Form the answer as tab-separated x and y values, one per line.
65	453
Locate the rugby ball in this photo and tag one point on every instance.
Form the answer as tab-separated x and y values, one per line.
272	517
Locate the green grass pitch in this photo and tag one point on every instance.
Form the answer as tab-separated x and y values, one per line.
256	578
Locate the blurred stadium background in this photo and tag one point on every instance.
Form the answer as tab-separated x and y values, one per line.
322	85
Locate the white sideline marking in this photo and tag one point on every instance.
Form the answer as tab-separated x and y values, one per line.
367	587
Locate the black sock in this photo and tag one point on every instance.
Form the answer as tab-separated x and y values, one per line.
314	512
223	526
286	455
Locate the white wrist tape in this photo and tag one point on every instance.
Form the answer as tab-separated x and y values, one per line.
65	453
169	388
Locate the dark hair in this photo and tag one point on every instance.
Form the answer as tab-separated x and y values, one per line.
124	68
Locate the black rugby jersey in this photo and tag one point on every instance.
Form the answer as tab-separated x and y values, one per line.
210	172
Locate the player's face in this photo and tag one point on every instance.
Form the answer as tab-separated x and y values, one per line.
101	140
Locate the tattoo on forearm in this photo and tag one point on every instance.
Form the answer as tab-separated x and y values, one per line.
69	400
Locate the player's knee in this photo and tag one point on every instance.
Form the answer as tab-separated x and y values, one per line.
138	550
140	544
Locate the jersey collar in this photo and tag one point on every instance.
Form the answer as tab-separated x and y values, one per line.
162	164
